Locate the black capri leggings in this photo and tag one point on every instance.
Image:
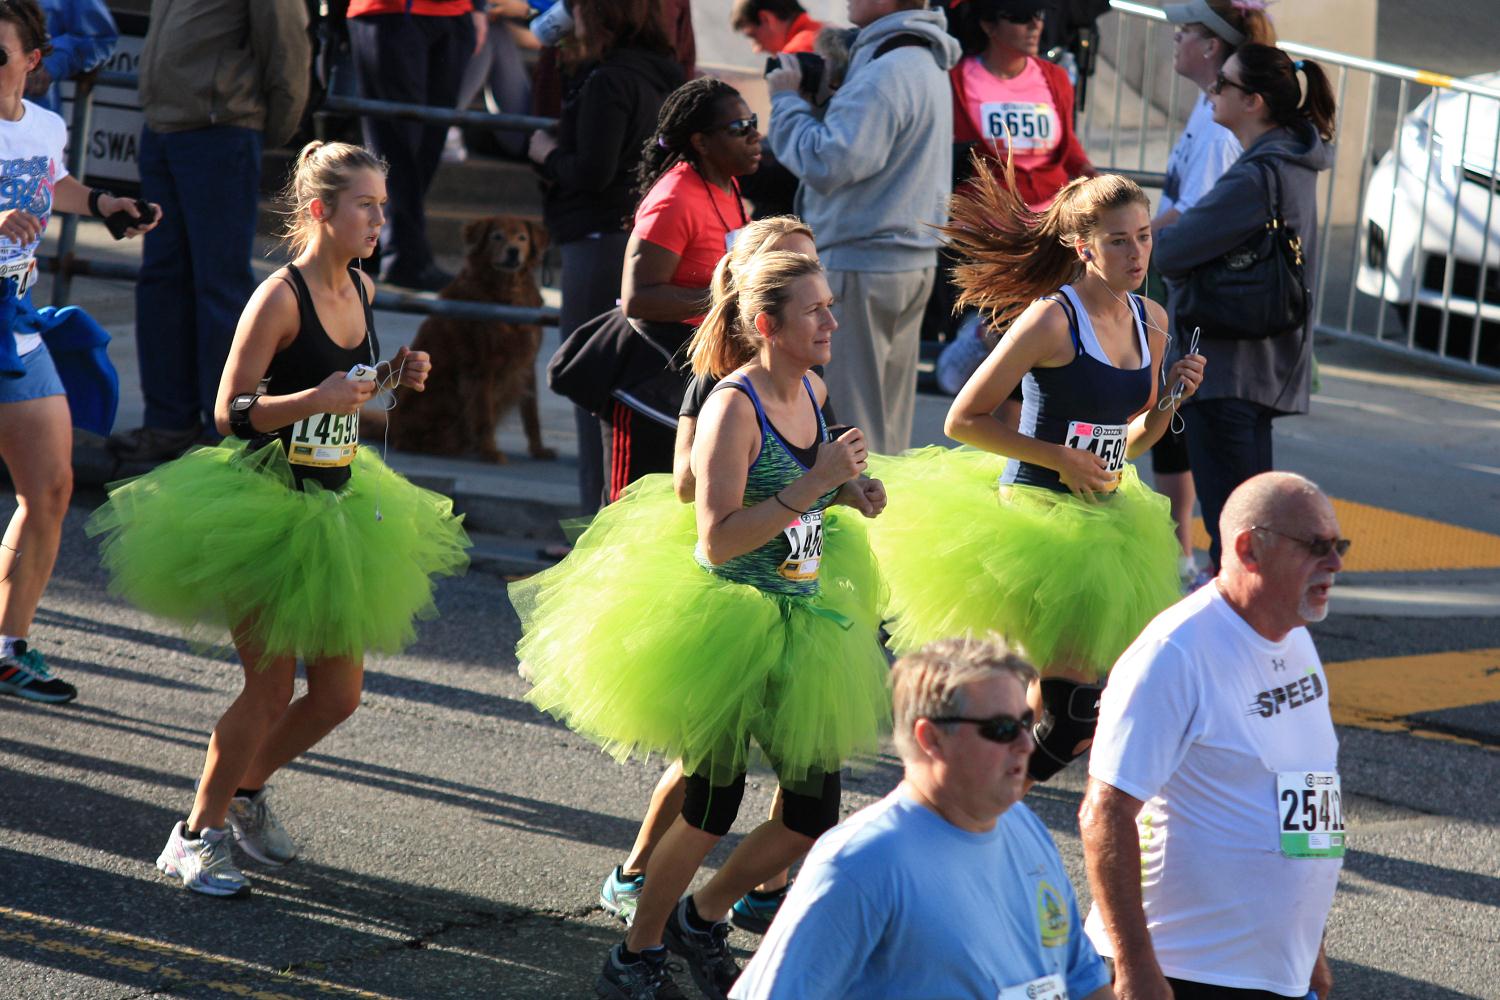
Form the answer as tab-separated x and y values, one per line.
811	810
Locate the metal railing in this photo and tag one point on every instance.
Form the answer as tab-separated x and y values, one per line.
66	263
1409	246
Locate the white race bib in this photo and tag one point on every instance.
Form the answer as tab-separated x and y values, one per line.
1311	810
804	537
325	440
1029	128
1105	440
1051	987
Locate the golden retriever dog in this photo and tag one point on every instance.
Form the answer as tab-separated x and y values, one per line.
480	368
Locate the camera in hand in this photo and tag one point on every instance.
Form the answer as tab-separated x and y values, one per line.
118	222
812	70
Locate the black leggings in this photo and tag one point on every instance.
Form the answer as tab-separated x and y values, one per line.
811	811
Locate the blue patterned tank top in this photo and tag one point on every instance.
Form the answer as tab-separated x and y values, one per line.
1087	403
788	563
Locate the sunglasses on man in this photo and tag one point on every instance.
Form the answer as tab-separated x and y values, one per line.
1319	547
996	729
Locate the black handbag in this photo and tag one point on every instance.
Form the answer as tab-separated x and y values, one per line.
637	362
1253	292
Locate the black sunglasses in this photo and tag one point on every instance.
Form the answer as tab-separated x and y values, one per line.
1000	729
740	127
1319	547
1221	81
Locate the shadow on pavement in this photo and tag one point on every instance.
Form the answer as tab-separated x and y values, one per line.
307	931
1418	876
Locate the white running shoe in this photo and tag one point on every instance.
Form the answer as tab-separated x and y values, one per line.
204	865
454	150
258	831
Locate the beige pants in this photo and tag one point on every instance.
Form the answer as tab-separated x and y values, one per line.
872	379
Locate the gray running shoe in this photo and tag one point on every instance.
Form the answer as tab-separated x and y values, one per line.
648	979
620	894
706	952
258	831
204	865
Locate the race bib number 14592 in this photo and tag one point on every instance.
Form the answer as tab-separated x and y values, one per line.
1105	440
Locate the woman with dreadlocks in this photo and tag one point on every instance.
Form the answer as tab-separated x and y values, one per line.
1074	555
688	216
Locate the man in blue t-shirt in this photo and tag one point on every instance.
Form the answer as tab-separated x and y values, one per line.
947	887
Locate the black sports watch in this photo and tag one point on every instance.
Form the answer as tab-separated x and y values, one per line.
239	412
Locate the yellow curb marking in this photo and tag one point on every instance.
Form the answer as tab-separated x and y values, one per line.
1382	693
159	949
1389	541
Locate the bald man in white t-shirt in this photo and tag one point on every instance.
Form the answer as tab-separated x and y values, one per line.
1212	826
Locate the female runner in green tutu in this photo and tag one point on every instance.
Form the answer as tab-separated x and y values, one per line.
1045	535
289	534
752	614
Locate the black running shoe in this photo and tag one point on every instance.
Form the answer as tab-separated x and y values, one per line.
706	953
648	979
25	674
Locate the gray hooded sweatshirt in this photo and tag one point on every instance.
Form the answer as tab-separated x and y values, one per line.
876	166
1275	372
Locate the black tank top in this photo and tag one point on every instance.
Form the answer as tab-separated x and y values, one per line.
321	446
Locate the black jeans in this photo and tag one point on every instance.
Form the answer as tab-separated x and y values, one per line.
590	285
414	60
1228	441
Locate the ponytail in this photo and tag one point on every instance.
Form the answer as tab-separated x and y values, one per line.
727	338
1010	255
1271	73
718	352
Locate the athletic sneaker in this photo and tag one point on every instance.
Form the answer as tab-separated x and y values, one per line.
706	952
25	674
204	865
258	831
620	894
648	979
754	911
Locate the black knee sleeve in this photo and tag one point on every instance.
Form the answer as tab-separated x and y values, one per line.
712	808
1070	713
812	815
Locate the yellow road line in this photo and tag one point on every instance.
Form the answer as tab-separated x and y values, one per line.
158	950
1389	541
1382	693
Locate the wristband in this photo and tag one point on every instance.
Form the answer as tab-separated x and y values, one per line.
94	195
777	497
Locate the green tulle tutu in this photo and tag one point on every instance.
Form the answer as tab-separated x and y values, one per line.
634	645
220	539
1067	580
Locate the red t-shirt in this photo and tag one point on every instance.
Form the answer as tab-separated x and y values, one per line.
692	218
801	34
421	8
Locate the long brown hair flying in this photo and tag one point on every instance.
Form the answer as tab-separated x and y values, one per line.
1010	255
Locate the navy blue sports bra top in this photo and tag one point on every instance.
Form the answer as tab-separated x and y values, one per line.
1086	403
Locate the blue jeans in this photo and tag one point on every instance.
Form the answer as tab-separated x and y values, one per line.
195	266
1228	441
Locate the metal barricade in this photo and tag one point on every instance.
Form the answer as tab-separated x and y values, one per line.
67	263
1409	257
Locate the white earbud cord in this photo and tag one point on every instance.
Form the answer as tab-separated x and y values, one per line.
388	386
1172	399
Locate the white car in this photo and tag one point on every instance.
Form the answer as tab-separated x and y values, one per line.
1406	238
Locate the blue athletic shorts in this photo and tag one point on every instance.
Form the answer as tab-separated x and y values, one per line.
40	379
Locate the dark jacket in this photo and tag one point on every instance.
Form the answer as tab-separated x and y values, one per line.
1277	371
607	114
